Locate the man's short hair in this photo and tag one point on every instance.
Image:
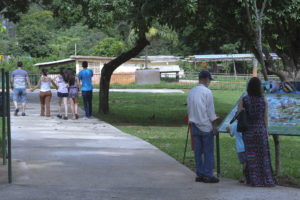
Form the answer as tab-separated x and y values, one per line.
84	64
20	64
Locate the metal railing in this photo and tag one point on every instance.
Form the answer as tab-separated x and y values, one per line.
6	126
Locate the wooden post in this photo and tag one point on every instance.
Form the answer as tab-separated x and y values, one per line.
146	57
234	69
218	156
277	154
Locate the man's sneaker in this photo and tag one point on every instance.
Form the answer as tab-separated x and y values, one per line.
59	116
16	111
65	118
210	180
23	114
86	118
199	179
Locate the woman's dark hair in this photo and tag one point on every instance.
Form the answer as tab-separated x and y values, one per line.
70	73
254	87
62	72
45	72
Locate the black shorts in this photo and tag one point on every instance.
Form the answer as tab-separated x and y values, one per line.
242	157
61	95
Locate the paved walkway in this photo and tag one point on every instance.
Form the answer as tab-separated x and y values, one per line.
90	159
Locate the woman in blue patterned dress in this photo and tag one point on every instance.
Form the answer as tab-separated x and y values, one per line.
259	171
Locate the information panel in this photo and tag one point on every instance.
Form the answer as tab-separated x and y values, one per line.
284	108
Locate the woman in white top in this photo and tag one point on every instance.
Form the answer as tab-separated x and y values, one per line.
45	92
62	92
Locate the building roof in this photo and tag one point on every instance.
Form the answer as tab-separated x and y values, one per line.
159	59
226	57
101	58
87	58
55	63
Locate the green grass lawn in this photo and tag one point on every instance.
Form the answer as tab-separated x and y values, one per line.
239	85
158	109
159	119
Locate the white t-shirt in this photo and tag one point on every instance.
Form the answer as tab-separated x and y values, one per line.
45	86
62	85
201	108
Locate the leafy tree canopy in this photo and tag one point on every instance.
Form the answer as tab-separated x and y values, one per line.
280	32
12	9
109	47
34	33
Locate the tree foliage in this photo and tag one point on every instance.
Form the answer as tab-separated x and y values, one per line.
109	47
280	30
34	33
13	9
2	30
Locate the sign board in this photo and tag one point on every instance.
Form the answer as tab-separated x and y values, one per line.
284	108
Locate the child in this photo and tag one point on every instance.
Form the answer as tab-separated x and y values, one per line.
240	148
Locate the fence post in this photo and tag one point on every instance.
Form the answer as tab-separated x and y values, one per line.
218	156
3	118
8	128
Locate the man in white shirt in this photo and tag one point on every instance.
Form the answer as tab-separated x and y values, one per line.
201	112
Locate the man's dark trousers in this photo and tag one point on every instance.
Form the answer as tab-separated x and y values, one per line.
87	102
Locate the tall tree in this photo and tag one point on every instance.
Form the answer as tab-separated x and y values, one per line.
280	30
139	15
34	33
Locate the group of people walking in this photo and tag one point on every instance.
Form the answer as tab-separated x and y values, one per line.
252	144
68	85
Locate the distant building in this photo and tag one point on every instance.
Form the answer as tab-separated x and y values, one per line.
167	65
228	57
125	73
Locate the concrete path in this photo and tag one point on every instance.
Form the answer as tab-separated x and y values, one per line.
90	159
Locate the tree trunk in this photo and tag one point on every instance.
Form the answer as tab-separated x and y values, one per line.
110	67
104	92
291	70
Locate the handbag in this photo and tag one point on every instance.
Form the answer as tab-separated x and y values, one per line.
242	124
